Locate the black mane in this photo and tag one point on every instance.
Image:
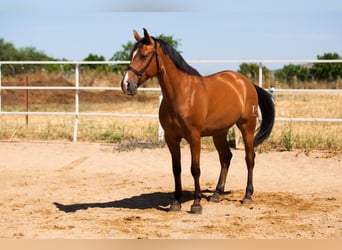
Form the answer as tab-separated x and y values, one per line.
174	55
177	58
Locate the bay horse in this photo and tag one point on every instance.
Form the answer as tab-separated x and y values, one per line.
194	106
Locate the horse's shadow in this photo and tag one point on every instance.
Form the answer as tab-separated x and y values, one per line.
156	200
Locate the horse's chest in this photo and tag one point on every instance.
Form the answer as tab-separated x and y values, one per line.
176	120
170	119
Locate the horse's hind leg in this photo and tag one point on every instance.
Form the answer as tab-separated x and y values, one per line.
225	156
174	147
247	130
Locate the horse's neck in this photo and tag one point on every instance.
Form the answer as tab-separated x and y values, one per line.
173	81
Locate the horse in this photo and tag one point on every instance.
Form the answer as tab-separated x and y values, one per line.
194	106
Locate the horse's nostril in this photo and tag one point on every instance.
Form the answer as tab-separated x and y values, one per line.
129	85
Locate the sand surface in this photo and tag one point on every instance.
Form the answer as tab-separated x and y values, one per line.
80	190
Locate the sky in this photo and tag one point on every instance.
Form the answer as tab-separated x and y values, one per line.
207	30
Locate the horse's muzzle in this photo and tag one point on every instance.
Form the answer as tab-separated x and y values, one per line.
129	88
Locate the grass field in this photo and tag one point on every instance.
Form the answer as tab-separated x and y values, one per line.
285	136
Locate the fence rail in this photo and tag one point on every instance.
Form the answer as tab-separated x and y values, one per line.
76	88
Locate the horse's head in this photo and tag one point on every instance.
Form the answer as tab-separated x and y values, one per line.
144	63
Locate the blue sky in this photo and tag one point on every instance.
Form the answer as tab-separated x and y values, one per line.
215	29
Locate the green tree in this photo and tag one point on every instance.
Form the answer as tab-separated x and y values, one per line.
97	67
125	52
32	54
327	71
122	55
290	73
174	43
9	53
251	70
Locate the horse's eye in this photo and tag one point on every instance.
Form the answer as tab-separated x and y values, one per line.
143	57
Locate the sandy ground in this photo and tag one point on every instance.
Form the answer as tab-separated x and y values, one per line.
66	190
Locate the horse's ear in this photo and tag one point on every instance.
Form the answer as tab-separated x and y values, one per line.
136	35
146	35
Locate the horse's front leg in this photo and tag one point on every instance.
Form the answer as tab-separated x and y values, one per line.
174	147
195	146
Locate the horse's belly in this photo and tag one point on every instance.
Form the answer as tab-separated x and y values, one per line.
220	121
212	130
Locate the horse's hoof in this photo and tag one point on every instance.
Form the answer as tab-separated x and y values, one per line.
196	209
215	198
247	201
175	207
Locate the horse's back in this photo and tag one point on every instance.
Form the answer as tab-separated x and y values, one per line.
230	80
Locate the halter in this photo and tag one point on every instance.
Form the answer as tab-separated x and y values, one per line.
139	73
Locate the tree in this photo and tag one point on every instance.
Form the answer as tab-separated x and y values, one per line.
318	71
97	67
9	53
251	70
32	54
289	73
327	71
122	55
125	53
174	43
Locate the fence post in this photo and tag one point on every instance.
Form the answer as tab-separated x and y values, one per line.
160	129
260	74
0	88
77	84
26	100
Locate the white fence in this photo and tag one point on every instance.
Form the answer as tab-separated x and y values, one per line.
76	114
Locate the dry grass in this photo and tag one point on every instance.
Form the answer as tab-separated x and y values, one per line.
306	137
285	136
308	105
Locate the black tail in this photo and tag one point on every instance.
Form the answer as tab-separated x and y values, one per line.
267	112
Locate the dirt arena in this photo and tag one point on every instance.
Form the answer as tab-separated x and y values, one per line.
66	190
